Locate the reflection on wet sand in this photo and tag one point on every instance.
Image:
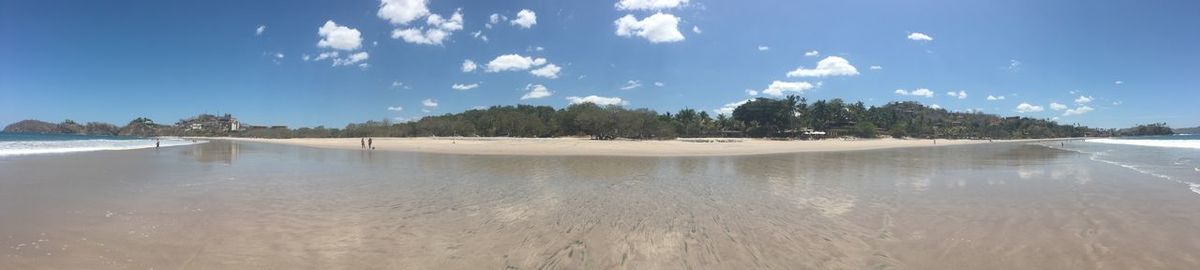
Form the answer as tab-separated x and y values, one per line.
1000	206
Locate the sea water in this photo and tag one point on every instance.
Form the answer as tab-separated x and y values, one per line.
1173	158
12	144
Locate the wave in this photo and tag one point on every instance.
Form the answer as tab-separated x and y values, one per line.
16	148
1193	144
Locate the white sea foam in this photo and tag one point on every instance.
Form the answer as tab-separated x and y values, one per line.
15	148
1194	144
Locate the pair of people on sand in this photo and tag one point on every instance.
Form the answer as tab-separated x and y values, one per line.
367	143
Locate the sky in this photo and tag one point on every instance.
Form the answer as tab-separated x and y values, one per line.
309	63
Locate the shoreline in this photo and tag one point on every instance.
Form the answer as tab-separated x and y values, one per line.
573	146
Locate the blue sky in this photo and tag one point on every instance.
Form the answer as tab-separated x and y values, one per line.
1131	61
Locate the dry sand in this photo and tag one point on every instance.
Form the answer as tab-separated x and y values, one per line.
587	147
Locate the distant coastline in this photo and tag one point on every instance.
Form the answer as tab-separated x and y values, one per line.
576	146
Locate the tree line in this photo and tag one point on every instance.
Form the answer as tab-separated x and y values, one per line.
789	117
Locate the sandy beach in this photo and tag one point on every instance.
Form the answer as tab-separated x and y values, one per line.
587	147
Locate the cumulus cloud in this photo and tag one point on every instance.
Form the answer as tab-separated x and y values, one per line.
1077	111
1014	65
1119	82
464	87
763	47
547	71
659	84
876	67
535	91
1083	100
751	92
438	29
778	87
696	29
728	108
1057	107
960	94
525	18
631	84
656	28
935	106
430	103
339	37
812	53
351	59
649	4
994	98
922	92
402	12
830	66
469	66
395	108
598	100
919	36
513	62
258	31
1028	108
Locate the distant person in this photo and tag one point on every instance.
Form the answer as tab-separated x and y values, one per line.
363	143
371	143
156	143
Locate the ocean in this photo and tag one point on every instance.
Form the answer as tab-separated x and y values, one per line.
1174	158
12	144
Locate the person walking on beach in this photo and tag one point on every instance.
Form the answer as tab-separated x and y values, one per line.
156	141
370	144
362	143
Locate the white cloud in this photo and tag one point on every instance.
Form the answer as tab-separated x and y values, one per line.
631	84
536	91
991	97
437	31
401	12
751	92
657	28
464	87
919	36
325	55
1117	103
598	100
364	66
279	55
1028	108
1057	107
1083	100
919	92
396	108
469	66
1078	111
525	18
935	106
547	71
399	84
258	31
1014	65
812	53
495	18
649	4
351	59
728	108
339	37
513	62
659	84
876	67
778	87
830	66
960	94
1119	82
696	29
763	47
539	48
429	103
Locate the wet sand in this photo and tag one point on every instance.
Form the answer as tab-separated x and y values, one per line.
568	146
247	205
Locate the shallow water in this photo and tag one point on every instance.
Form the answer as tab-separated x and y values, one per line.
238	205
